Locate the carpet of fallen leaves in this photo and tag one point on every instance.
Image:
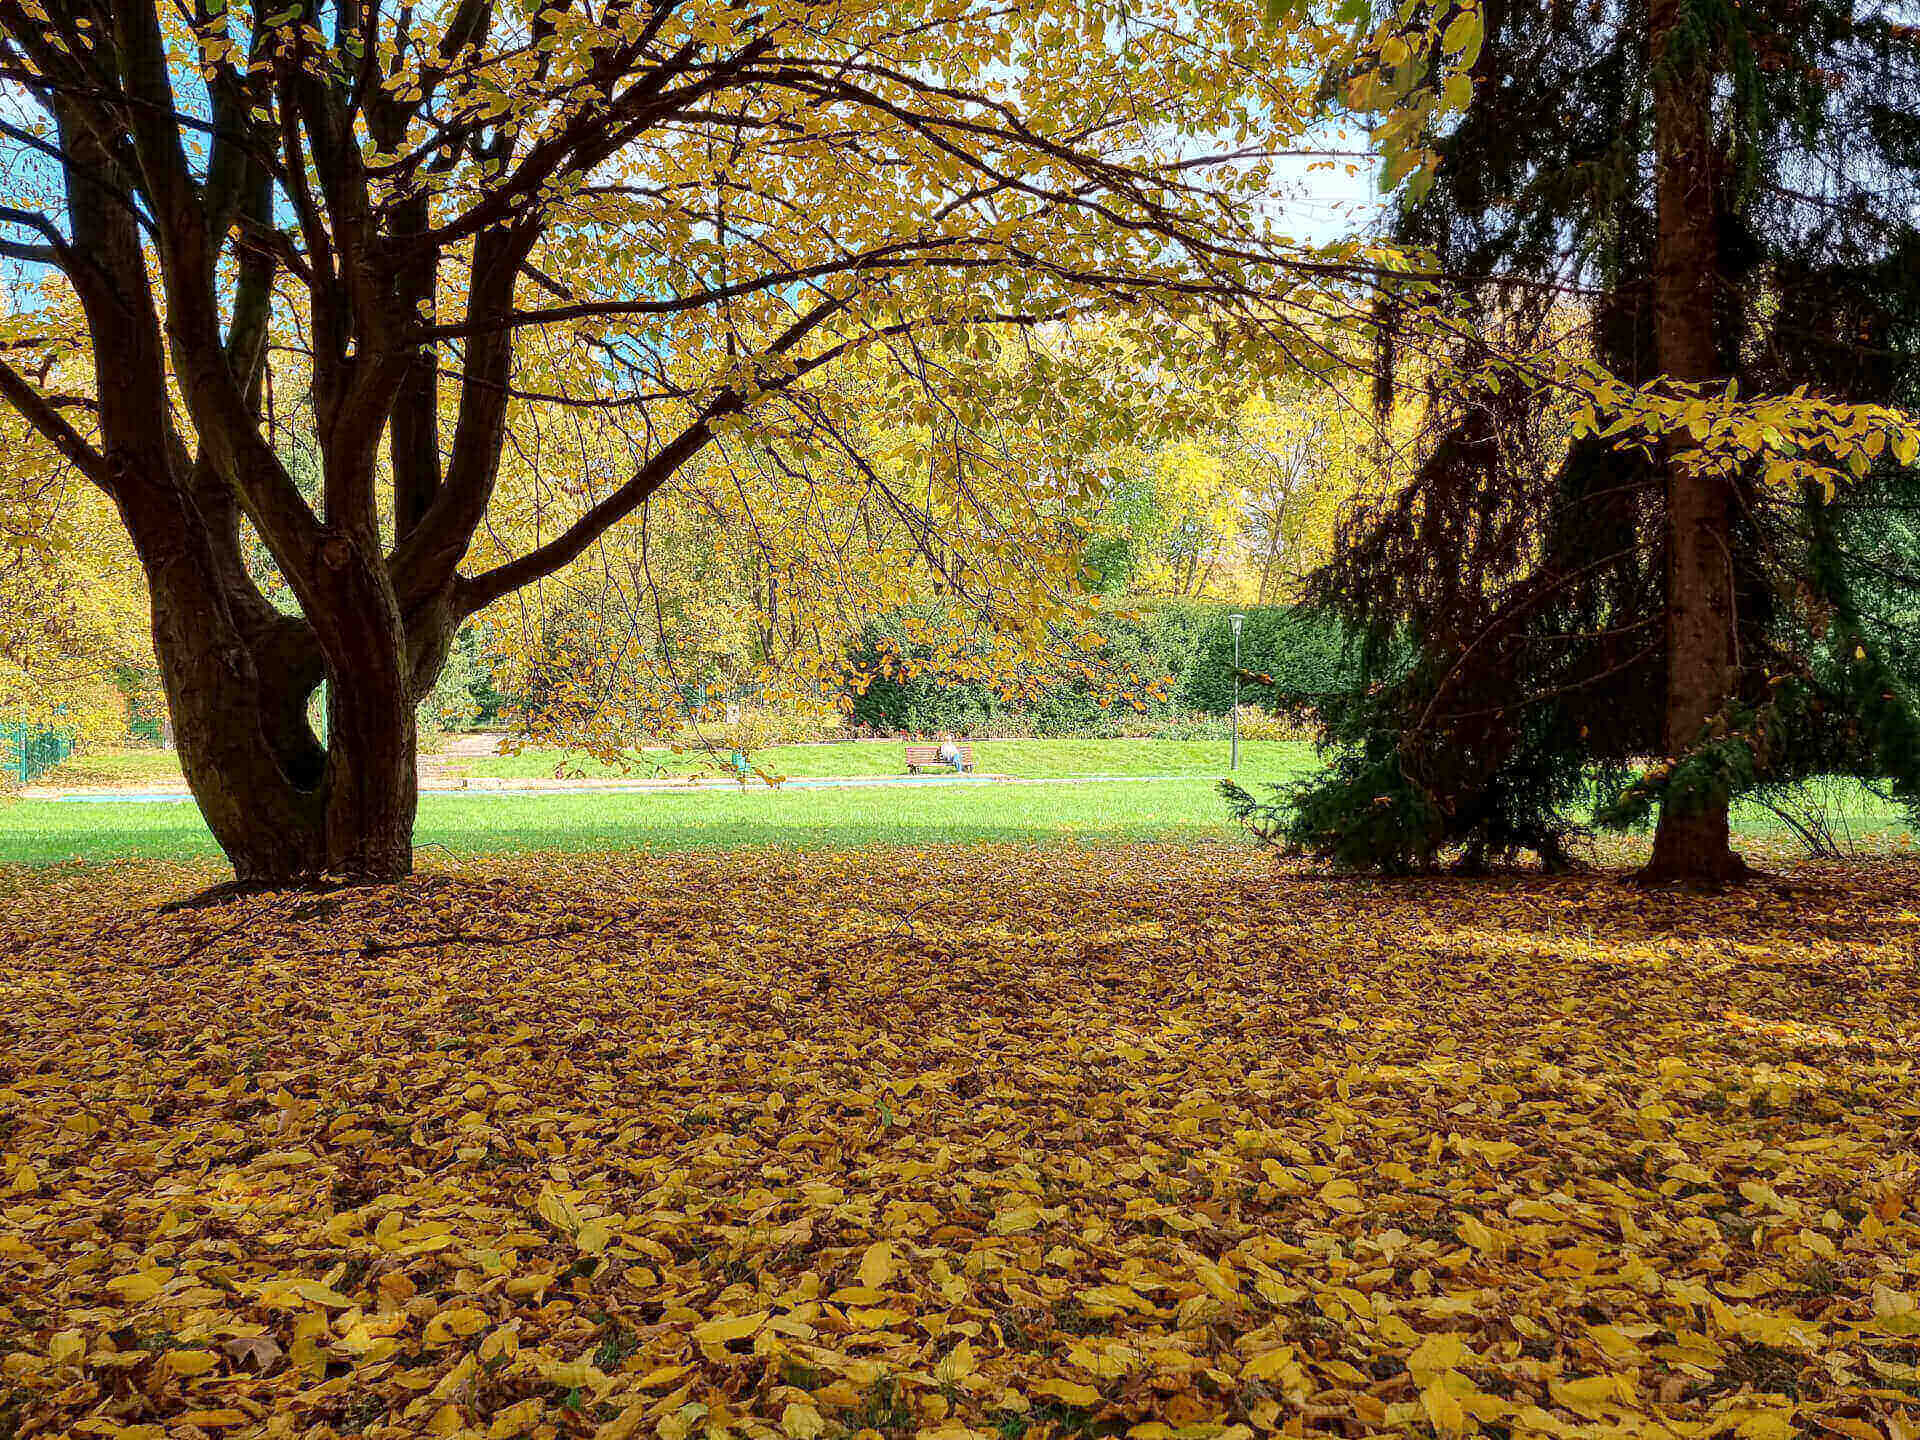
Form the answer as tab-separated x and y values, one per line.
977	1142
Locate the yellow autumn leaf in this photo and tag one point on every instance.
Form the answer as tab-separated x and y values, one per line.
623	1425
876	1265
1482	1237
1342	1195
1067	1391
67	1347
572	1374
800	1421
960	1362
138	1288
457	1382
456	1321
1589	1395
660	1376
515	1419
1443	1411
728	1328
320	1294
1283	1179
557	1210
1017	1219
1435	1354
190	1362
1269	1365
593	1236
1766	1425
502	1343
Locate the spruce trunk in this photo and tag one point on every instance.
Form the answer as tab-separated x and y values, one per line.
1692	843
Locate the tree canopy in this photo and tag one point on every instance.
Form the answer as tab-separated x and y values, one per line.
678	223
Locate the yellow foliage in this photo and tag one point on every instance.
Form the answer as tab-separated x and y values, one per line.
73	606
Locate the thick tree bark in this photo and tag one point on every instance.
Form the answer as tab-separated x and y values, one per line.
239	724
371	785
1692	843
283	807
238	677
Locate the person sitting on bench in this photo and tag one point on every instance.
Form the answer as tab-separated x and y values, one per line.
950	753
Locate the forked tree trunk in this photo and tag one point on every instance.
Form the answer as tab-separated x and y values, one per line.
252	766
238	673
1692	843
238	678
353	819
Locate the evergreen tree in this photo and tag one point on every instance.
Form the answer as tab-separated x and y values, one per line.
1516	595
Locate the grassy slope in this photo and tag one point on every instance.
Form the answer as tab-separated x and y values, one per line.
1033	759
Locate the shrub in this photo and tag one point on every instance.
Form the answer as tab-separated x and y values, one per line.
1165	672
1299	655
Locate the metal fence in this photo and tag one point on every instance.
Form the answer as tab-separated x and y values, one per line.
28	751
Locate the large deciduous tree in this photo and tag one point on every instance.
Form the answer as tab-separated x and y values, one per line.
702	204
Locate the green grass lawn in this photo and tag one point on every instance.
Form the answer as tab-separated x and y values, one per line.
45	832
1028	759
41	832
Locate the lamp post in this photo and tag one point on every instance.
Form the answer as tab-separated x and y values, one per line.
1233	759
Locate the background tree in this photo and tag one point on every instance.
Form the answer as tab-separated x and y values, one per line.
74	652
1302	457
1243	501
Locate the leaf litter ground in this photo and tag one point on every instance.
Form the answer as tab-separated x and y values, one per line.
981	1141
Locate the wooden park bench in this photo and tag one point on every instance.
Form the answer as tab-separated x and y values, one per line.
927	757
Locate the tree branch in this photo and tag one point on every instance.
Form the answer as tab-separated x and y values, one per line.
40	413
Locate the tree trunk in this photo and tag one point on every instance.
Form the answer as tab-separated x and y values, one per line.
283	808
1692	843
372	786
239	675
234	749
1273	554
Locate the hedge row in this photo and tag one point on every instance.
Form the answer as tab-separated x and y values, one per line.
1176	658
